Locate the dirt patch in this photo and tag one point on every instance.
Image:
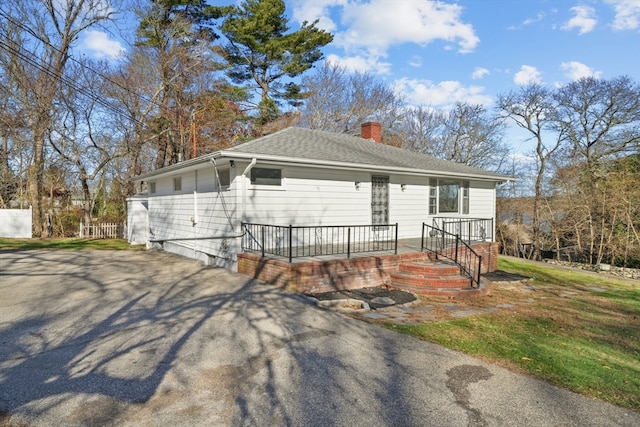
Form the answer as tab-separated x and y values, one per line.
505	276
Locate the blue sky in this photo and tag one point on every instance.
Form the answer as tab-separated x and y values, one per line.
436	53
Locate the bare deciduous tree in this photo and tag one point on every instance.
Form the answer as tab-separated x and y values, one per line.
339	101
600	120
38	37
532	109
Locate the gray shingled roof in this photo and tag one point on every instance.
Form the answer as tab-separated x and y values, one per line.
308	145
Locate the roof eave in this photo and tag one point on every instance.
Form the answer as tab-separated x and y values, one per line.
357	166
234	155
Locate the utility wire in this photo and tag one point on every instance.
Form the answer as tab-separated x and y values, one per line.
66	81
107	78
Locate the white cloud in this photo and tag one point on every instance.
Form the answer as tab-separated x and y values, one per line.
99	45
372	25
584	19
529	21
527	75
416	61
539	17
441	95
311	10
361	64
575	70
627	14
479	73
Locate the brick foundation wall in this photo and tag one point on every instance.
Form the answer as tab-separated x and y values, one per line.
341	274
488	252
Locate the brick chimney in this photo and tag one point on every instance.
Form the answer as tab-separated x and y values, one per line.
372	130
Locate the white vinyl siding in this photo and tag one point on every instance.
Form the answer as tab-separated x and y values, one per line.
482	201
312	197
308	196
408	208
192	213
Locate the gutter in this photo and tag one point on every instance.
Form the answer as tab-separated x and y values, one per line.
324	164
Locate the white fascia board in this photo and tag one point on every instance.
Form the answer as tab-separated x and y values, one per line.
323	164
196	163
177	168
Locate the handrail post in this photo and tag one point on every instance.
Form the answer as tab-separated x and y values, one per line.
396	248
290	243
422	239
492	230
479	268
457	240
349	242
262	239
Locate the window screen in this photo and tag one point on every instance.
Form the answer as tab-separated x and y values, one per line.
225	177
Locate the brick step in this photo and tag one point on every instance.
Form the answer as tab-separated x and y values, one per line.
426	281
430	268
465	292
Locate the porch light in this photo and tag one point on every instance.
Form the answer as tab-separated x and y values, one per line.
403	187
232	163
357	185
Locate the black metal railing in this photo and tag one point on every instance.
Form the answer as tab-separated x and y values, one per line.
469	229
451	246
309	241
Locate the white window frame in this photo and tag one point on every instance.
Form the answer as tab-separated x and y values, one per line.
462	202
177	183
278	186
222	173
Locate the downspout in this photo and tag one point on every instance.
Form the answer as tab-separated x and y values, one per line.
244	190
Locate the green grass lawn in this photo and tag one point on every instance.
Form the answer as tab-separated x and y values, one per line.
578	331
68	244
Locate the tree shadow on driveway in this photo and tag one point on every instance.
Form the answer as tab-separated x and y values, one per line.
149	338
114	337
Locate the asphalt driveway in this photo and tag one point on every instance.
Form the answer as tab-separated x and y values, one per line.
152	339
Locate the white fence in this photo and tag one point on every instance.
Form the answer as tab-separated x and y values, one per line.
16	223
107	230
